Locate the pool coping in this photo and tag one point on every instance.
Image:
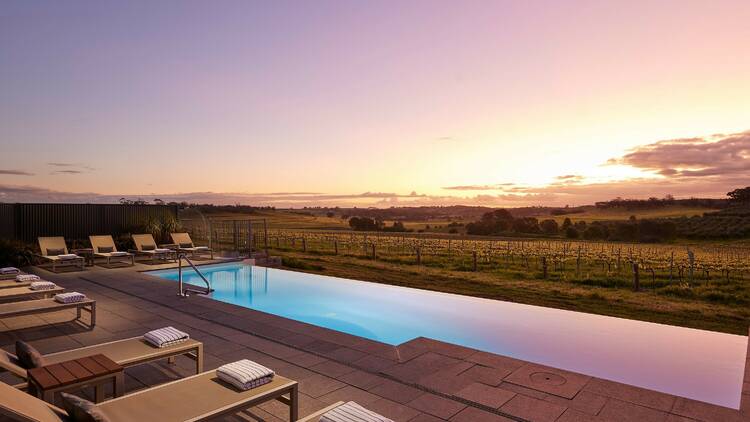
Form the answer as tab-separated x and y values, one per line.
434	366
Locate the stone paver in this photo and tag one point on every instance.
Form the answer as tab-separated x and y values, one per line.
423	380
550	380
533	409
486	395
617	410
436	405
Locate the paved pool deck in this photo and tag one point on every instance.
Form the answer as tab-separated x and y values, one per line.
422	380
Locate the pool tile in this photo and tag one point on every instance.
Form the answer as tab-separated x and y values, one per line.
424	417
447	349
392	410
373	363
436	405
486	374
361	379
584	401
705	411
550	380
332	369
319	385
396	391
572	415
345	354
532	409
496	361
628	393
472	414
485	395
350	393
618	410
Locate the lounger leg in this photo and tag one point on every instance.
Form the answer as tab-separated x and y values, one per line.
99	393
93	315
171	360
119	384
78	313
199	359
294	403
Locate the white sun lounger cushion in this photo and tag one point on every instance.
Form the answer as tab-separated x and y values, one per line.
352	412
161	250
70	297
42	285
118	253
68	256
245	374
27	277
165	337
201	248
9	270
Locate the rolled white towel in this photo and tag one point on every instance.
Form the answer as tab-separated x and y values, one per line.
201	248
27	277
9	270
118	253
165	337
68	256
162	250
70	297
42	285
352	412
245	374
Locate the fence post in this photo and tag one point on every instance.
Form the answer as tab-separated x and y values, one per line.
210	235
636	277
373	251
234	236
265	234
335	247
304	245
419	255
249	238
474	255
544	267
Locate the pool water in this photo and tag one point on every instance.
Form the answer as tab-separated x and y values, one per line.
697	364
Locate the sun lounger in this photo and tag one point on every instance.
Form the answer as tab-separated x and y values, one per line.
128	352
7	273
26	293
345	412
197	398
46	306
104	247
185	244
146	246
54	250
12	284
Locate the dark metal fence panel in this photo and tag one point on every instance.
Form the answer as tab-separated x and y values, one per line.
7	230
75	221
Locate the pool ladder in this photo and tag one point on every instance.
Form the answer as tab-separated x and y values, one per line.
185	292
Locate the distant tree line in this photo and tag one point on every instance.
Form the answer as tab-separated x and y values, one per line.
501	222
653	203
372	225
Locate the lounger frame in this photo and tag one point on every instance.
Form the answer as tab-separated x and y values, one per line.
178	238
143	239
57	242
98	241
48	306
25	293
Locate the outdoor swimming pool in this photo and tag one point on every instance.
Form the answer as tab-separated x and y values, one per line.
702	365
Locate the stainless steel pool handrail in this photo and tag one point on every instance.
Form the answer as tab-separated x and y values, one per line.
185	292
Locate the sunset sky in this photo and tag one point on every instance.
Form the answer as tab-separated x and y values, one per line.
502	103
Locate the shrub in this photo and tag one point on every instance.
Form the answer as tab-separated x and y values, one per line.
571	233
14	253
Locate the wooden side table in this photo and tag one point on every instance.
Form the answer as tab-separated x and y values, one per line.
86	253
95	370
